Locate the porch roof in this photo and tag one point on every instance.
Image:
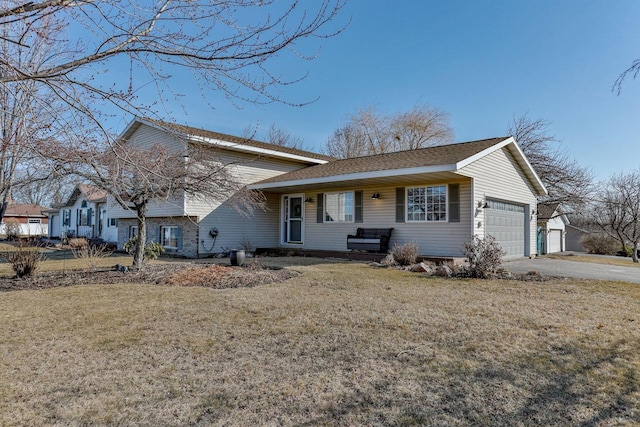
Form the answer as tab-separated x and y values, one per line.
427	164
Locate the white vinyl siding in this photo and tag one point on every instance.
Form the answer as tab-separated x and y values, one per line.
260	229
433	238
247	170
498	176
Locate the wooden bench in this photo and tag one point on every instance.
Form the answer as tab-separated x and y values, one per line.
370	239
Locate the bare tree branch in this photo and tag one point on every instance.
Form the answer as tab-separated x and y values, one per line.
568	183
370	132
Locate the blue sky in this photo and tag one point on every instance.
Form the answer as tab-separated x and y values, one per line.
481	61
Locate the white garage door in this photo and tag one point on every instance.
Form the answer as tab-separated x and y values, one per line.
505	221
555	241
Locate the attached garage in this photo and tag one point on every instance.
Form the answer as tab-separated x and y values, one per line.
506	223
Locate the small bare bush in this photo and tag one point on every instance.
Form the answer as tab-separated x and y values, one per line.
601	244
152	250
78	243
247	245
12	229
406	254
389	261
24	261
92	254
484	256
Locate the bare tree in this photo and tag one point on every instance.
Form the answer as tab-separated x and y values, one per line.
27	110
617	210
227	45
568	183
346	142
283	138
136	177
42	186
370	132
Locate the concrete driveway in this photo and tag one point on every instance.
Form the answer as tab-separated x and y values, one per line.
580	270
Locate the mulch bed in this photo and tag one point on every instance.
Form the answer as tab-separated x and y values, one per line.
173	274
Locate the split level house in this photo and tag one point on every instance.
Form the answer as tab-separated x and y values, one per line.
437	197
84	214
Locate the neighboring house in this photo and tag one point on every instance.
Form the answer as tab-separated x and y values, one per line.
437	197
85	214
29	219
551	229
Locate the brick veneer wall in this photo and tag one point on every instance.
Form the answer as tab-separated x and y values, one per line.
190	233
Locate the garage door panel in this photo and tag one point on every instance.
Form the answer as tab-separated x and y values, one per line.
555	241
506	223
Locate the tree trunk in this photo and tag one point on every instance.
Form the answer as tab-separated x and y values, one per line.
635	252
138	256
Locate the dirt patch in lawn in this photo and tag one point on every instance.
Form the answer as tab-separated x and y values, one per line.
171	274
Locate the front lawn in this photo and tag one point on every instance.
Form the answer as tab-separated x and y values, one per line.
341	344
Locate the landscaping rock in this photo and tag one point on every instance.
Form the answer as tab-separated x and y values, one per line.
443	271
422	268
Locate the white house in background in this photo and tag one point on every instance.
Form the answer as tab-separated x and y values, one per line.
30	219
85	214
437	197
551	229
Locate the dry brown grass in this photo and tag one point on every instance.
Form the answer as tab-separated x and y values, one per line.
343	344
72	263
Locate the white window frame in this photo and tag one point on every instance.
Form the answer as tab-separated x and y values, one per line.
342	215
444	205
162	236
133	231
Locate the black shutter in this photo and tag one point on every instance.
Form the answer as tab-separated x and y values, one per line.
358	206
320	208
454	202
179	238
400	204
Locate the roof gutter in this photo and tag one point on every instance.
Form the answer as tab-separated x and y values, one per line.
354	176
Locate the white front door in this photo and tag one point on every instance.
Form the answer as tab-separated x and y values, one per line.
293	218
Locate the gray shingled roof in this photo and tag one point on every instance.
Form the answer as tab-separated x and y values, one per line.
432	156
191	131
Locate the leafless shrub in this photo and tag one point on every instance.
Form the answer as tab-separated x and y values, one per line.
24	260
92	254
484	256
389	261
78	243
12	229
406	254
246	245
601	244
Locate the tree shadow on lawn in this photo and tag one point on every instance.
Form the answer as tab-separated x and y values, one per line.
564	385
